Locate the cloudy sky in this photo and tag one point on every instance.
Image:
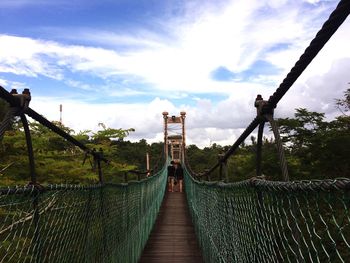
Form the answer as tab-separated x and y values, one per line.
124	62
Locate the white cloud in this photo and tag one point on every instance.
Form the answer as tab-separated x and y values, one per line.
3	82
234	38
138	40
78	84
145	118
13	84
233	35
204	123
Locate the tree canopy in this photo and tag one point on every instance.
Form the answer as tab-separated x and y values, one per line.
314	147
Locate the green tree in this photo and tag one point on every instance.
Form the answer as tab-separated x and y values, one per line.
320	146
107	134
344	104
57	160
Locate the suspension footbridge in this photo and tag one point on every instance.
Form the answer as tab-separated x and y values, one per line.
255	220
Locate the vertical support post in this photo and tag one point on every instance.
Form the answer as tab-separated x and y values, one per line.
282	158
221	166
100	175
147	164
33	182
165	117
88	213
223	174
265	111
225	171
61	114
259	104
260	197
183	145
259	148
104	215
99	169
29	149
103	212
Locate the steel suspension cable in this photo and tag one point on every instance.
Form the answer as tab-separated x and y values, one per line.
334	21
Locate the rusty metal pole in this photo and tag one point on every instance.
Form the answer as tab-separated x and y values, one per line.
221	166
183	149
99	169
24	104
223	174
259	149
29	149
165	117
225	171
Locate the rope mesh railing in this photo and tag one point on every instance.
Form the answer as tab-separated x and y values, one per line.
264	221
250	221
101	223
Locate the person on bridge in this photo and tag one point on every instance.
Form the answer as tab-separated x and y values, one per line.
179	175
171	176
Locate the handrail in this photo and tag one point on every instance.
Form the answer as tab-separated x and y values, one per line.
79	223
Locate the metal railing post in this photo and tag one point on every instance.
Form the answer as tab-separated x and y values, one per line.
220	167
259	148
24	100
29	149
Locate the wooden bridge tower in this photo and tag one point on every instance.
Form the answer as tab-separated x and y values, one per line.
174	144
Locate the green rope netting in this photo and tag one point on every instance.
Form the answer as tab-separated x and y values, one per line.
264	221
109	223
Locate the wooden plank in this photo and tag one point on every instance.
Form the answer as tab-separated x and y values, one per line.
172	239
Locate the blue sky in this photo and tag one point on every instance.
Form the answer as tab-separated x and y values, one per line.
124	62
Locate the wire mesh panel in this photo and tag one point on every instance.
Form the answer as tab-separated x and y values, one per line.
109	223
264	221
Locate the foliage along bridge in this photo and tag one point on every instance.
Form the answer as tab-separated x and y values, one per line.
249	221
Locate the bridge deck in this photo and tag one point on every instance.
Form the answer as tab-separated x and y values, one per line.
172	238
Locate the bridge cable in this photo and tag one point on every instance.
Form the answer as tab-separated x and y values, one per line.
334	21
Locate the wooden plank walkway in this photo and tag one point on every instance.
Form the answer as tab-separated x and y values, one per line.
172	239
